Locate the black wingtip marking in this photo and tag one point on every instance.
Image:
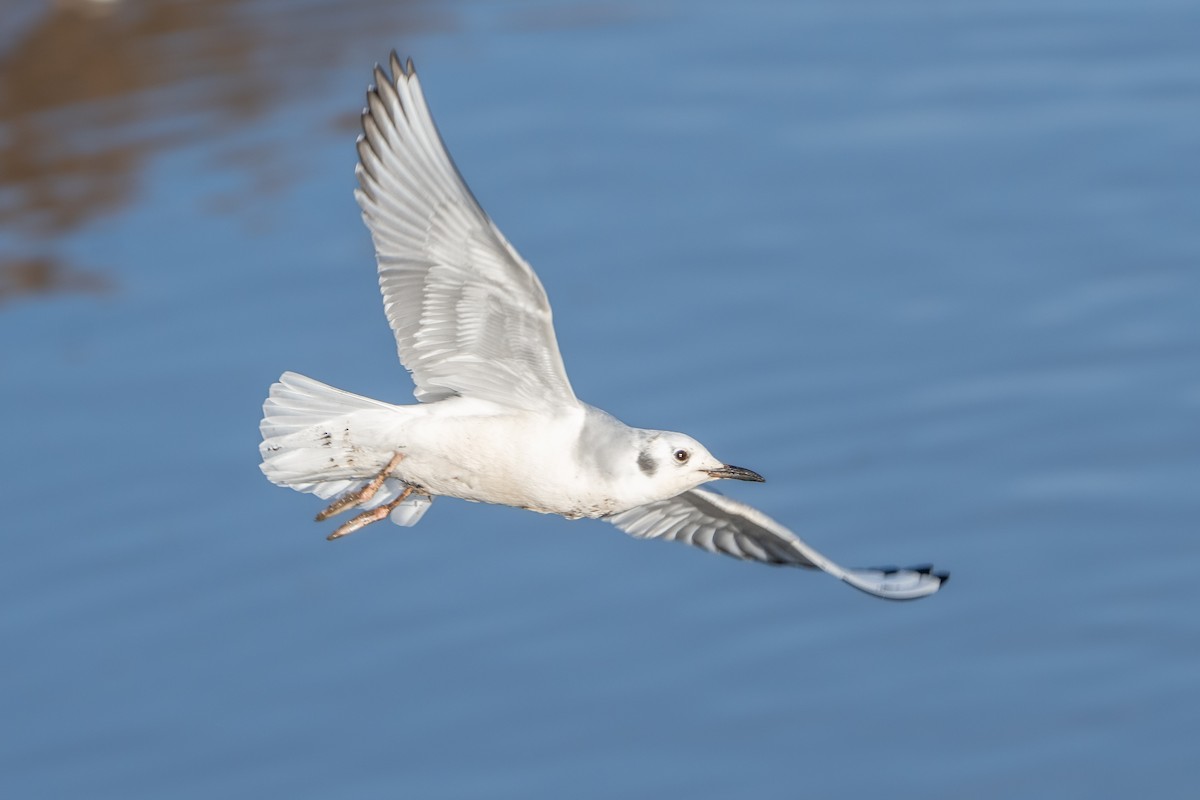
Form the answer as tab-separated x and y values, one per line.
927	569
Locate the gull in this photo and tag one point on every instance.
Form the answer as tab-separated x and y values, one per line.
496	419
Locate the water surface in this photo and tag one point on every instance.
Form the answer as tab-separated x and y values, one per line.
930	269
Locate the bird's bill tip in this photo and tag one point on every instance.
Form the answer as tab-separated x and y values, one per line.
736	473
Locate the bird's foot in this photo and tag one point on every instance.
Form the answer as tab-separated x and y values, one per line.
363	493
367	517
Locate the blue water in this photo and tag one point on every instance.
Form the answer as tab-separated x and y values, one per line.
933	269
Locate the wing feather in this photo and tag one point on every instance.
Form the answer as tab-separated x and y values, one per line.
469	315
720	524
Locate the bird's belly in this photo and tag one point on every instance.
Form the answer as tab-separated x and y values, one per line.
512	461
509	482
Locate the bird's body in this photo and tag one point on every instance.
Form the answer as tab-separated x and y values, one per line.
497	420
567	462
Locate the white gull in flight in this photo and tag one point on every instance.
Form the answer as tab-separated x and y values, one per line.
497	420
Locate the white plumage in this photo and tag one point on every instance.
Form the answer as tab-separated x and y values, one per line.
470	316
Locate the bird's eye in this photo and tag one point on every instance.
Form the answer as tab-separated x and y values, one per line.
681	456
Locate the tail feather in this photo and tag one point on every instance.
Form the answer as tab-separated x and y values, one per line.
297	402
297	449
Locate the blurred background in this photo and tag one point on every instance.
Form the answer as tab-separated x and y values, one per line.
931	267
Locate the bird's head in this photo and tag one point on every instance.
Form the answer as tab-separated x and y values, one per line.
675	463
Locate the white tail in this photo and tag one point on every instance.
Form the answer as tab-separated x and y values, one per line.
301	451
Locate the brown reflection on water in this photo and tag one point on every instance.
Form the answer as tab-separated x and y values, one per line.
91	90
39	275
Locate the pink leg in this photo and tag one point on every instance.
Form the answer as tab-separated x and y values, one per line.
363	494
367	517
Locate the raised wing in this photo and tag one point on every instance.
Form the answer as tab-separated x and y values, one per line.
723	525
470	316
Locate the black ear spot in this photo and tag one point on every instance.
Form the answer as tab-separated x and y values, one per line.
646	463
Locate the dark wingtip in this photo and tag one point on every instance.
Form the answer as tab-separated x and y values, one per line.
927	569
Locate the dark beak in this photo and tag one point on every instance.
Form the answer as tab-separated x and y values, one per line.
737	473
